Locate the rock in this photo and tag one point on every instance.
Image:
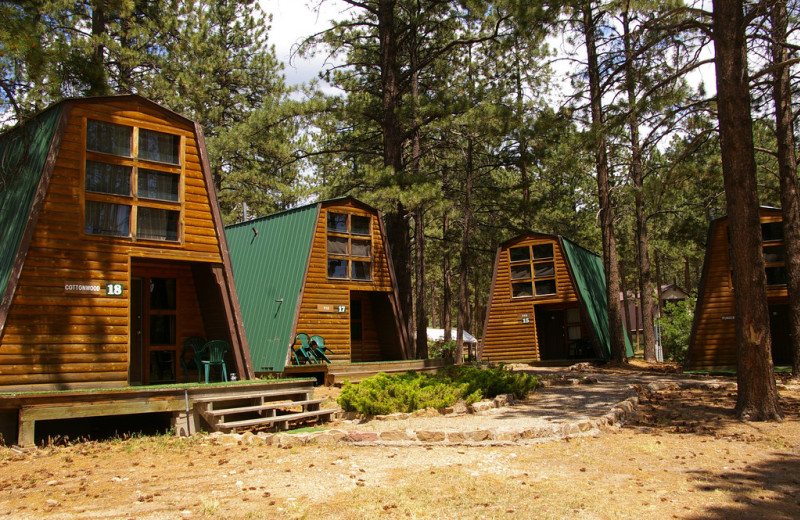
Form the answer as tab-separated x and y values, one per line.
456	436
396	436
430	436
427	412
460	408
507	435
481	406
479	435
362	436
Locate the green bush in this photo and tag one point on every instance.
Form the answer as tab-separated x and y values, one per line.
383	394
676	327
441	349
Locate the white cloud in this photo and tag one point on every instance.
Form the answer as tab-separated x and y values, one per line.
292	22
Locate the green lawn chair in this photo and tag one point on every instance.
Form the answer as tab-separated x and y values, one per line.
304	354
318	348
215	351
193	344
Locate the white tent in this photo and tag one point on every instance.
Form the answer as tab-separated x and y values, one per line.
438	335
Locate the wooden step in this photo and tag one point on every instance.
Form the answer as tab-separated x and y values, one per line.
280	420
255	395
261	407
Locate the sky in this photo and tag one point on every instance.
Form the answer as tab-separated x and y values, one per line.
293	21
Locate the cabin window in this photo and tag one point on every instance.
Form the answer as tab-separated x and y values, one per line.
533	271
104	218
349	246
109	138
132	191
774	252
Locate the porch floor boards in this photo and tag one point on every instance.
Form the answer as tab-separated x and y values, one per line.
185	403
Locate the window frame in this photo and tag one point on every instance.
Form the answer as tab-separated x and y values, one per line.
133	199
531	262
350	236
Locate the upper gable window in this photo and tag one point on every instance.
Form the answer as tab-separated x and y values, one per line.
132	191
349	246
532	270
109	138
159	147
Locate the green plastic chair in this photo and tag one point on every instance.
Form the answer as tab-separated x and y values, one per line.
215	350
318	348
195	345
304	354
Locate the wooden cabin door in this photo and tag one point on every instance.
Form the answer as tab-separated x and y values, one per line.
154	328
779	330
136	359
356	330
550	334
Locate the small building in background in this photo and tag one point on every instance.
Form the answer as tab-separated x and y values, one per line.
547	303
112	250
320	269
670	293
713	339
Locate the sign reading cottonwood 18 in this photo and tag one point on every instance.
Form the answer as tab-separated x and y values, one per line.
94	288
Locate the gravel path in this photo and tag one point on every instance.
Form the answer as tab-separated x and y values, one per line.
580	400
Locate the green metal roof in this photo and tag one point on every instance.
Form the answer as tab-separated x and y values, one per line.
590	279
23	152
269	257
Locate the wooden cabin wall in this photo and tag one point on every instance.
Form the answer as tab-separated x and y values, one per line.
55	339
506	337
713	342
322	296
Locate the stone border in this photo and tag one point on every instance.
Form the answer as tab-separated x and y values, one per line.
617	415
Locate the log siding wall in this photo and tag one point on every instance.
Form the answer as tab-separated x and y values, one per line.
713	340
506	337
320	290
56	339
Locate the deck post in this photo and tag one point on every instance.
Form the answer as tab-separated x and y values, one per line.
25	431
185	423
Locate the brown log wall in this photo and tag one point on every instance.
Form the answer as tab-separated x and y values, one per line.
506	338
713	343
56	339
319	290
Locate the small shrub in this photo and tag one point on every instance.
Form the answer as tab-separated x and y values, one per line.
384	394
676	327
441	349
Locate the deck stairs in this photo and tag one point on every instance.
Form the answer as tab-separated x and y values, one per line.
279	409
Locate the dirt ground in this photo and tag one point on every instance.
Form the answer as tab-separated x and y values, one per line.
683	456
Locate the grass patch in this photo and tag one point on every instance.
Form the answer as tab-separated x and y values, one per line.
384	394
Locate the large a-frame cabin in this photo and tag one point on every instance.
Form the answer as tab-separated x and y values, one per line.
112	250
547	303
320	269
712	344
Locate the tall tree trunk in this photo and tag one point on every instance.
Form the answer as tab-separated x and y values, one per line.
398	229
787	172
626	304
463	289
447	283
637	175
757	394
96	70
420	304
610	265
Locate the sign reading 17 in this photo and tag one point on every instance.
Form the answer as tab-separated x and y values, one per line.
113	289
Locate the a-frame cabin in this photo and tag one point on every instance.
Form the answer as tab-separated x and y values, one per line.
320	269
112	250
712	344
547	303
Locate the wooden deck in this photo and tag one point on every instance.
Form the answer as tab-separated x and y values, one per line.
337	373
278	401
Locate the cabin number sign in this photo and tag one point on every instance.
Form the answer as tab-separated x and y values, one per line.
94	288
332	308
